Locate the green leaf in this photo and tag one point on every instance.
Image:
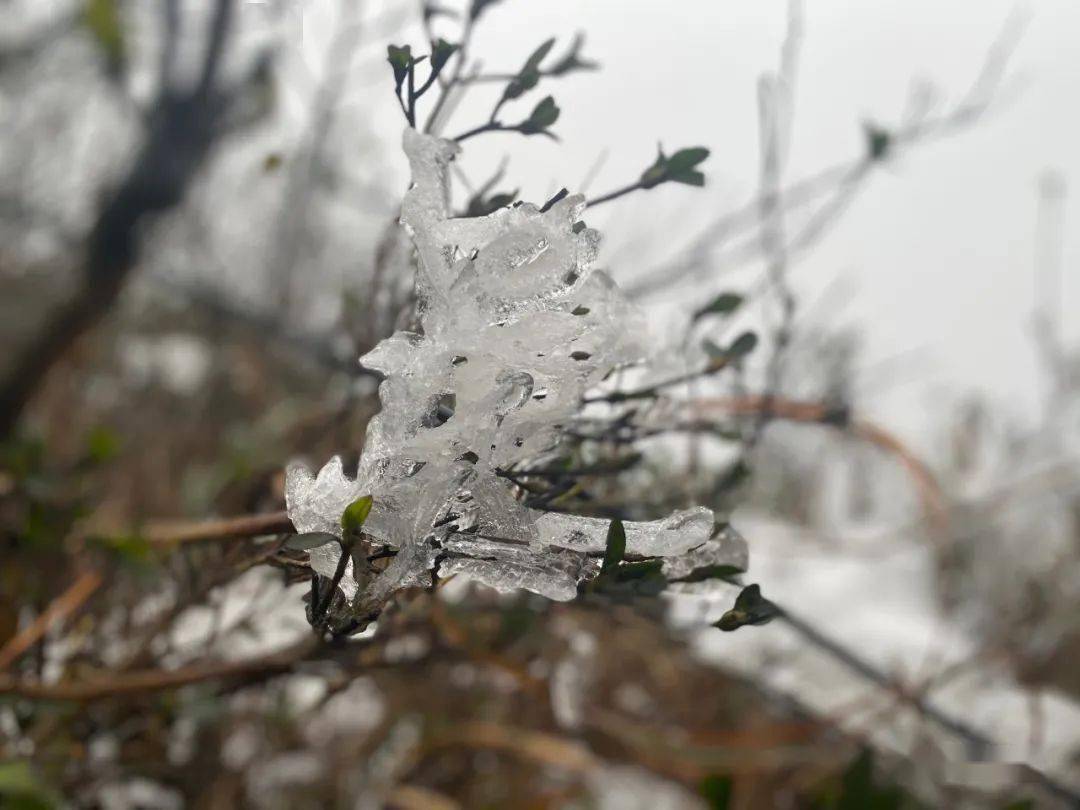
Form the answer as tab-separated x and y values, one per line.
751	608
532	64
735	476
543	116
21	789
309	540
878	142
743	345
678	168
686	159
572	60
859	790
721	357
480	207
717	791
497	201
352	519
657	172
432	10
529	75
441	51
132	549
724	304
102	20
400	58
16	777
102	445
689	178
478	7
615	549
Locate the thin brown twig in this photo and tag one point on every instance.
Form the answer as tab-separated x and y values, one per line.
58	610
414	797
168	533
820	413
536	746
112	684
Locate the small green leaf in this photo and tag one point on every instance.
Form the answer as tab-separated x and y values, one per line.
432	10
717	791
678	168
734	477
480	207
532	64
400	58
352	519
128	549
102	19
721	357
691	177
572	60
102	445
743	345
543	116
441	51
529	75
497	201
751	608
479	6
21	789
686	159
309	540
878	142
724	304
615	549
657	172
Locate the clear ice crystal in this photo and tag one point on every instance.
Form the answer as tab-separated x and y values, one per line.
515	327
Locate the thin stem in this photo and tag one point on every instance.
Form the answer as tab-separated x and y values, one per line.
319	611
117	684
980	747
490	126
716	365
58	611
426	85
411	112
455	78
171	533
614	195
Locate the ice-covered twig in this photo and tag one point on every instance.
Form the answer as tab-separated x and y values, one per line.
515	328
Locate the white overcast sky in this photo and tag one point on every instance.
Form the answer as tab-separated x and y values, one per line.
938	250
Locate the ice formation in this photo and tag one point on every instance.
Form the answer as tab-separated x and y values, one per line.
515	328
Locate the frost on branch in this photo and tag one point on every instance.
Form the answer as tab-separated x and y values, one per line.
515	328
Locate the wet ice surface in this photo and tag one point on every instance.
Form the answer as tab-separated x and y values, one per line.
515	328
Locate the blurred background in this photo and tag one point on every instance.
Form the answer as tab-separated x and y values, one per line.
198	204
